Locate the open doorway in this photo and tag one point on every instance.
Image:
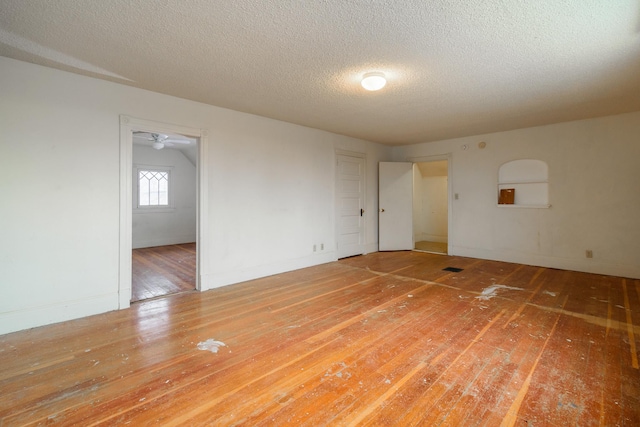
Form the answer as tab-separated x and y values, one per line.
430	206
164	214
129	125
414	205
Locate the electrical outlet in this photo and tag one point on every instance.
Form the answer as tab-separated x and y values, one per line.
455	196
314	248
322	246
589	253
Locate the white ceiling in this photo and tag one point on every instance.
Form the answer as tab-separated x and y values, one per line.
455	67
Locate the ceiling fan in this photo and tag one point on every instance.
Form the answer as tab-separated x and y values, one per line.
161	140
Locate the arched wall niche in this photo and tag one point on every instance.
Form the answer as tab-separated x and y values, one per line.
529	181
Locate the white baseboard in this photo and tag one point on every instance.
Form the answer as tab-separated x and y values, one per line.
32	317
586	265
224	278
371	247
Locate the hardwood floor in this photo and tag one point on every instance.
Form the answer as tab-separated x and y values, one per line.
426	246
384	339
163	270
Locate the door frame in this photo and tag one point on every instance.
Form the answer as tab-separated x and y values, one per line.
363	156
448	157
127	126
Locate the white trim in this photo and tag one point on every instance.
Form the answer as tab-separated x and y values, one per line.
127	126
48	314
449	158
126	212
202	208
230	277
584	265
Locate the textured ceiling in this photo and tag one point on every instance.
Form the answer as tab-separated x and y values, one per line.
455	67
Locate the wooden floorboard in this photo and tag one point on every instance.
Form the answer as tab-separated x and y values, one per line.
383	339
163	270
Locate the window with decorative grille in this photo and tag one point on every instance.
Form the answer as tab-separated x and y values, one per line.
153	187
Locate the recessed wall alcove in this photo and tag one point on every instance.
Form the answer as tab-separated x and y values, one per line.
529	178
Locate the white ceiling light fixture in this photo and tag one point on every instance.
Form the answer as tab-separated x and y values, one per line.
373	81
158	140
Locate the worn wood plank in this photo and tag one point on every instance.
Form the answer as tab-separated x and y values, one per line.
163	270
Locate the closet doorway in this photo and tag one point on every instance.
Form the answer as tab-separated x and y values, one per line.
430	206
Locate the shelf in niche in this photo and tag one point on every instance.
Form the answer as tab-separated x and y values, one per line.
514	206
522	182
529	179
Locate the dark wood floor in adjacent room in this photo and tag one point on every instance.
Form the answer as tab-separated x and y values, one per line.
163	270
385	339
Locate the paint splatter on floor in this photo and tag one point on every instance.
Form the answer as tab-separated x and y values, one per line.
492	291
211	345
338	370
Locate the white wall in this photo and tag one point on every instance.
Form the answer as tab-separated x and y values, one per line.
594	177
270	191
167	226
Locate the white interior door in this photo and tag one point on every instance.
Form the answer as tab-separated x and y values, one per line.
350	205
395	193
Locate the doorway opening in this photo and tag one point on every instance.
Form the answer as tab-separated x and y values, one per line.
430	206
164	195
179	247
415	205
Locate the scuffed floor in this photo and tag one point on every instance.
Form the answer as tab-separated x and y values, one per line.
383	339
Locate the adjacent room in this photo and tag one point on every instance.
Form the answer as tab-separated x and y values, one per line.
320	213
164	201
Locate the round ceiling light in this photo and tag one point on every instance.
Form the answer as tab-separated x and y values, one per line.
373	81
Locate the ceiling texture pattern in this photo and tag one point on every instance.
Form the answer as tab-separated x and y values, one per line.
454	67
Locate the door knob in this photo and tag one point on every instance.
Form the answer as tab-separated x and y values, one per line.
361	212
381	210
